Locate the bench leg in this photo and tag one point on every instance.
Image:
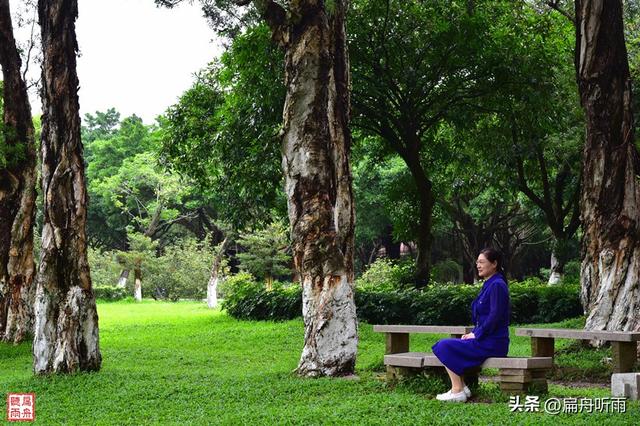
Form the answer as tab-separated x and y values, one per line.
624	356
396	343
523	380
542	346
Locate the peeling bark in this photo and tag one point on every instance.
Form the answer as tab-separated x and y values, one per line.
17	194
610	209
316	147
212	285
66	327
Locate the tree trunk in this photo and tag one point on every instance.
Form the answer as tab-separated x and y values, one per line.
557	269
124	276
426	203
17	194
268	280
137	282
559	257
66	324
610	270
316	146
391	248
212	286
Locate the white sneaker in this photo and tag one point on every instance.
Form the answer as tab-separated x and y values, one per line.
452	397
467	391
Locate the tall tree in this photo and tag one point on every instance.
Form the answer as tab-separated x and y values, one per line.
316	146
66	324
452	55
610	208
17	192
266	254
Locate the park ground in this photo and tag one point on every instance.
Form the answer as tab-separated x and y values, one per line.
181	363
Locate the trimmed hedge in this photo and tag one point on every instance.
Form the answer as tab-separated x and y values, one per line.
445	304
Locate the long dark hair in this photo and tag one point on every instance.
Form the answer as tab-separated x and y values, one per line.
494	255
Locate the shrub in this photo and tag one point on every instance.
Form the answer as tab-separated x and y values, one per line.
109	293
572	271
183	271
447	271
449	304
247	299
387	275
104	267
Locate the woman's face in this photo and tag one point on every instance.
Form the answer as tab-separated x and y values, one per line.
485	268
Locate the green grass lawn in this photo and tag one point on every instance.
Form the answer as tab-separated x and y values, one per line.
183	363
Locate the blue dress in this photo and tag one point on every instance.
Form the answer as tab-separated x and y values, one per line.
490	312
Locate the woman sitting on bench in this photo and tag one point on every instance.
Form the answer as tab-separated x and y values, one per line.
490	312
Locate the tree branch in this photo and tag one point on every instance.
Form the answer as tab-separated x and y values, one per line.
554	4
545	181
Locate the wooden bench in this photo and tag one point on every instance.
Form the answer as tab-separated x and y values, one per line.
624	344
516	374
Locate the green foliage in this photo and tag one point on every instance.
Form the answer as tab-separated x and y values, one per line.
450	304
385	197
102	125
236	282
386	275
105	267
439	304
105	272
247	299
109	293
447	271
572	271
266	255
127	185
223	133
182	272
140	259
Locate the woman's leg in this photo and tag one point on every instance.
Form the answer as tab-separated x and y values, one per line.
457	382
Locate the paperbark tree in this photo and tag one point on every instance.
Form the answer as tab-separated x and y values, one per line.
212	285
17	193
316	146
66	324
610	207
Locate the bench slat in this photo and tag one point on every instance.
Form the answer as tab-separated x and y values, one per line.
567	333
406	359
427	359
443	329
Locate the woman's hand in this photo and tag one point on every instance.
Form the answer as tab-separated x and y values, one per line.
468	336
